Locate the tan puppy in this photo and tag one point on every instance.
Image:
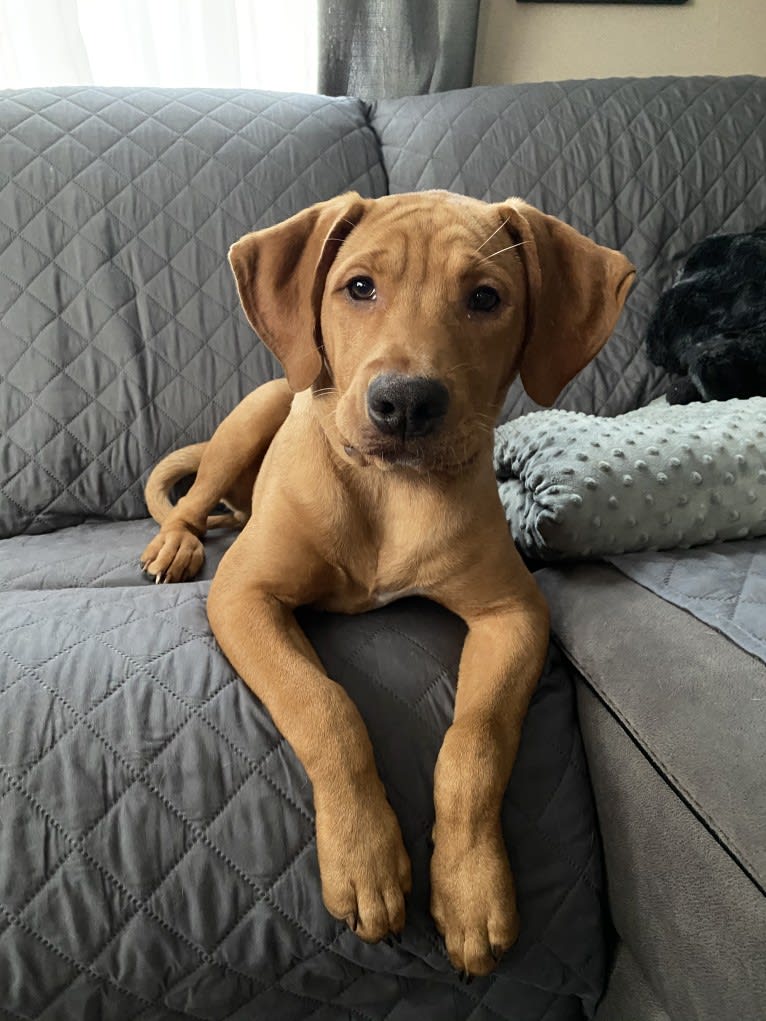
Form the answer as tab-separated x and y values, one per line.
366	476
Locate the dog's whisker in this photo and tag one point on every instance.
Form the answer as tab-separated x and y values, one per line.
500	252
456	368
497	231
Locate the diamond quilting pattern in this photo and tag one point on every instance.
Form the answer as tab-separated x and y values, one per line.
120	334
80	557
723	585
646	166
167	829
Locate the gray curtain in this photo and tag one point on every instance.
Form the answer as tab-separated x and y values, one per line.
377	49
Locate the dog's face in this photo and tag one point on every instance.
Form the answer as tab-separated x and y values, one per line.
422	323
410	315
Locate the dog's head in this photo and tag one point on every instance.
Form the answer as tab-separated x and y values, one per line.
410	315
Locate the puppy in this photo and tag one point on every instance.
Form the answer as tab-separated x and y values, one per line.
366	475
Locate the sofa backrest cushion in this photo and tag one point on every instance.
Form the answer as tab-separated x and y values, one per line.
121	336
647	166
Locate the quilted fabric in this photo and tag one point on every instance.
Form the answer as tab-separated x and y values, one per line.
166	830
662	477
647	166
723	586
90	555
120	331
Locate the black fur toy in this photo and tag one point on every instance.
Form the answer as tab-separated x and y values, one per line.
709	327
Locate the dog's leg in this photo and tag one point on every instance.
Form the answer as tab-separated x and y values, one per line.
227	470
472	893
364	868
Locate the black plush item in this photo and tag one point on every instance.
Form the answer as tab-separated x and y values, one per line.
709	328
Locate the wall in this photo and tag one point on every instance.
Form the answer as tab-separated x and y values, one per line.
548	41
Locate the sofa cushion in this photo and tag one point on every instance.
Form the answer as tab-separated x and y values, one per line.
673	723
121	335
647	166
166	830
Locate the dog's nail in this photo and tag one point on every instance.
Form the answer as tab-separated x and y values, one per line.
158	578
352	921
496	951
465	978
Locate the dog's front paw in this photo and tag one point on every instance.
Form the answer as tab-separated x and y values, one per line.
175	555
364	866
473	901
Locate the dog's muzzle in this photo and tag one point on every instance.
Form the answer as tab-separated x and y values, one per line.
406	407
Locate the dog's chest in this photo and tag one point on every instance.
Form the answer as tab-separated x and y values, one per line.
356	597
388	549
368	575
388	573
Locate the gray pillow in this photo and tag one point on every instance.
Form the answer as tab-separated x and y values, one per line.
665	476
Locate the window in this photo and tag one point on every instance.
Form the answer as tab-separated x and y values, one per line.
265	44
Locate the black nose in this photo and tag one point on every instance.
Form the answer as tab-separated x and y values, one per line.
406	405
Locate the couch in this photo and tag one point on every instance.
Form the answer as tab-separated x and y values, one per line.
156	844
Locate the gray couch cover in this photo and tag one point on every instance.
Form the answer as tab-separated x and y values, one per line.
166	830
156	843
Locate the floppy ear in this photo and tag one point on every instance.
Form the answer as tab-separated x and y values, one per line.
576	290
281	273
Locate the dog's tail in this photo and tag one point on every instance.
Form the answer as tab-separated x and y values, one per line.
171	469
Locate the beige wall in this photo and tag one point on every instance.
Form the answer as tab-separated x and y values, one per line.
520	42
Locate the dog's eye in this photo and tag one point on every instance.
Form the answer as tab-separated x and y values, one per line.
361	289
483	299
